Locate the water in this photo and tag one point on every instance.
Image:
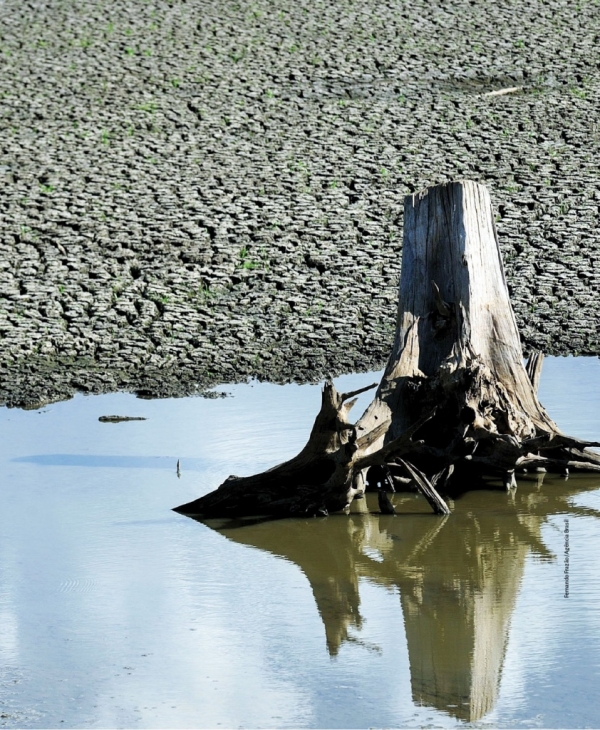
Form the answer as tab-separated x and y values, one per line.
117	612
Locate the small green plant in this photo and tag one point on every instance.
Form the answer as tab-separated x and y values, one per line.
105	137
47	189
129	51
117	290
245	261
205	293
148	106
580	93
176	82
61	288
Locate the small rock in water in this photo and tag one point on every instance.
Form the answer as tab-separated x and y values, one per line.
118	419
212	394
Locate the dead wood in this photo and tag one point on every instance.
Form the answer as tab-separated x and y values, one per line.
455	402
385	503
427	489
534	368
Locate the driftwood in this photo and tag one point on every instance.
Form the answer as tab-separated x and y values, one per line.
455	405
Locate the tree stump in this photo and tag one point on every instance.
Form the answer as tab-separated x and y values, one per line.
455	405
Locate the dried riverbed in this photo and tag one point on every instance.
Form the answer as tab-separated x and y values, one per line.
199	192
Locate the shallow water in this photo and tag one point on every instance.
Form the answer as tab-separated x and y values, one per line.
117	612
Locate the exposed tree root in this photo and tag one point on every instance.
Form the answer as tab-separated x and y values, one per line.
456	402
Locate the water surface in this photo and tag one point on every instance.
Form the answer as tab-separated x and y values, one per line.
117	612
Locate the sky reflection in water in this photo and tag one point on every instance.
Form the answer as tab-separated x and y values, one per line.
115	611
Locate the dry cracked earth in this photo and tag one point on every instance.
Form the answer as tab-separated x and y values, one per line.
196	192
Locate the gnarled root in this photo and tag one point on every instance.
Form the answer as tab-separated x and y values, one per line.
455	403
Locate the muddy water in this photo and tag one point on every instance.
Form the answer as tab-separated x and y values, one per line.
116	612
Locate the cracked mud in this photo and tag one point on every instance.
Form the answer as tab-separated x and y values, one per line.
200	192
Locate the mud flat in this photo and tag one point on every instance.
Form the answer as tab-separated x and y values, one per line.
193	190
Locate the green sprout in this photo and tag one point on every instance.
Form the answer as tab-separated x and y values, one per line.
246	262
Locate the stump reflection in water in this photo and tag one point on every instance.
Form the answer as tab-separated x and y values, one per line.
458	578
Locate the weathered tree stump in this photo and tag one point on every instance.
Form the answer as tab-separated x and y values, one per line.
456	403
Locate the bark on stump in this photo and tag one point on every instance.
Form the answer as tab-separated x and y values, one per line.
456	403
